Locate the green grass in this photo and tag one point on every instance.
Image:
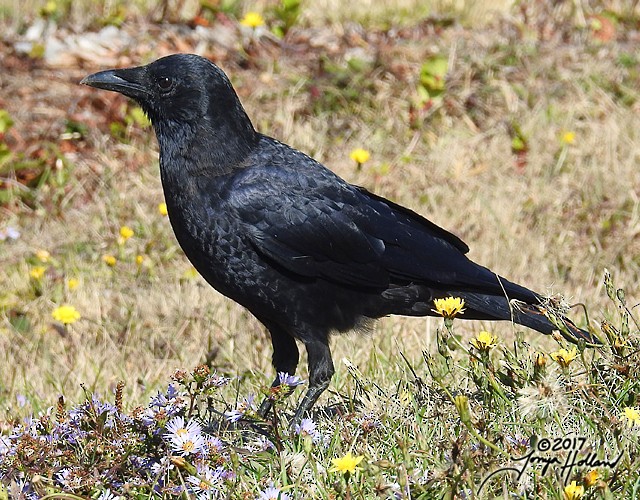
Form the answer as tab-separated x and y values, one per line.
550	213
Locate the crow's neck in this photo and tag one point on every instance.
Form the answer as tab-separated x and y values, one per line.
210	147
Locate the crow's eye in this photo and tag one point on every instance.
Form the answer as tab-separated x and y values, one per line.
165	84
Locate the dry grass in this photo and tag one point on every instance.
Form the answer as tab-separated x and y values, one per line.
320	13
553	226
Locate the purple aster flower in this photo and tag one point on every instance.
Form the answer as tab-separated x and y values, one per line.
185	439
68	432
10	233
213	444
172	391
171	402
290	380
159	400
234	415
215	380
162	467
244	407
107	495
273	493
207	484
29	426
518	441
148	418
22	489
142	464
101	407
68	478
307	427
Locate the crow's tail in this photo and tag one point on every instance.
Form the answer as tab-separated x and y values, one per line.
544	319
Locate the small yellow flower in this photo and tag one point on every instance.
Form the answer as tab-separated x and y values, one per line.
139	259
125	233
346	464
632	415
66	314
37	272
449	307
252	20
541	360
564	357
43	255
162	209
50	8
591	478
73	283
360	155
573	491
190	274
567	138
109	260
484	341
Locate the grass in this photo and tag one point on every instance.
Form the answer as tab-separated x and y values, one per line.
550	213
366	12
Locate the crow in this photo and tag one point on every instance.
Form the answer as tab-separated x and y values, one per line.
307	253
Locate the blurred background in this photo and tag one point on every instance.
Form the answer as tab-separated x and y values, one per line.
514	125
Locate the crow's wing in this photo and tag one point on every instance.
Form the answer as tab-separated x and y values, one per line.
319	226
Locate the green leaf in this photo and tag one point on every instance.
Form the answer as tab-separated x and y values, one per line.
20	322
6	122
433	75
434	71
518	144
137	117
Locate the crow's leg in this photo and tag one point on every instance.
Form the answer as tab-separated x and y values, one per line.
285	359
320	373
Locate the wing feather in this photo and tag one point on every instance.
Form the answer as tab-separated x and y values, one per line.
342	233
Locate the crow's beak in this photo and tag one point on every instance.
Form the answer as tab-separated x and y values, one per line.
128	82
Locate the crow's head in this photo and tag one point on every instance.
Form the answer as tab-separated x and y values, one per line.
186	97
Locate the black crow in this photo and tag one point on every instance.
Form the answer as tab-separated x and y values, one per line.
306	252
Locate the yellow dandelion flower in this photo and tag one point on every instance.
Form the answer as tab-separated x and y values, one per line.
449	307
564	357
50	8
37	272
541	360
162	209
252	20
573	491
484	341
109	260
73	283
139	259
567	138
360	155
66	314
632	415
346	464
591	478
125	233
43	255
